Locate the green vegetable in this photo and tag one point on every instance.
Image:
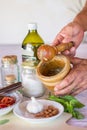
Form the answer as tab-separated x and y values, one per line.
70	104
4	121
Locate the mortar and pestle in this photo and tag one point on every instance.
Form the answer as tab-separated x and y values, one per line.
53	66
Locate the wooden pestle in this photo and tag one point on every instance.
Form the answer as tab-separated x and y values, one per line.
47	52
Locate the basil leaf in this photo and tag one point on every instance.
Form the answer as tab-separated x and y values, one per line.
73	101
4	121
70	103
77	114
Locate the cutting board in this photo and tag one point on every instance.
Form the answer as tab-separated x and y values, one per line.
16	123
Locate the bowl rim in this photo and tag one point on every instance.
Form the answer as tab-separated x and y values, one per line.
60	75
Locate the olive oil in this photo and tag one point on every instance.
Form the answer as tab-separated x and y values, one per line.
30	45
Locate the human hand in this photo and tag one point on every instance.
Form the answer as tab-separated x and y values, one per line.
71	32
76	81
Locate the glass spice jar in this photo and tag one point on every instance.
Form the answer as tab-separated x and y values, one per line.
9	70
32	86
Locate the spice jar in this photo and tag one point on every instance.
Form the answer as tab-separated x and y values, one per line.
9	70
32	86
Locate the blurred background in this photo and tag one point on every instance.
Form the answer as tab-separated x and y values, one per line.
50	16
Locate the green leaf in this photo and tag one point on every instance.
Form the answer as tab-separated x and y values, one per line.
70	103
77	114
4	121
73	101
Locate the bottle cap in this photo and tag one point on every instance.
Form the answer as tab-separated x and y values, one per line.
32	26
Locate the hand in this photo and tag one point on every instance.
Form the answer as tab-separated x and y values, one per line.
76	81
71	32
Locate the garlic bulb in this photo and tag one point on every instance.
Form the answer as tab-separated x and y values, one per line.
34	106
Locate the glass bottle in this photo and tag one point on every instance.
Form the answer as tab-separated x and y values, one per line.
30	45
9	70
32	86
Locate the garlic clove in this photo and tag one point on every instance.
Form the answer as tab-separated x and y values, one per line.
34	106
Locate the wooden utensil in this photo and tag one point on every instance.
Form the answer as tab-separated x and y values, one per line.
10	88
47	52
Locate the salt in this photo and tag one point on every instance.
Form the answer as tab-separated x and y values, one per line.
32	86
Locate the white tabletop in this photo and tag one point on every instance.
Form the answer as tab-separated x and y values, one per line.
81	52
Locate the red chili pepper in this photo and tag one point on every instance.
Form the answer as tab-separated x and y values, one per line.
3	105
7	100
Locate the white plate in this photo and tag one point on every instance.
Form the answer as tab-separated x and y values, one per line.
6	110
21	111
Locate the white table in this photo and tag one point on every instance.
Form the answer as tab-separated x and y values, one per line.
17	124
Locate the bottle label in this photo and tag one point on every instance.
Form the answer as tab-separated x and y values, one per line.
29	55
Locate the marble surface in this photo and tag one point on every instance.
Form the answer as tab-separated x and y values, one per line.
81	52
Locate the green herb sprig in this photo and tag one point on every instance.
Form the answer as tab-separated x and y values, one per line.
70	103
4	121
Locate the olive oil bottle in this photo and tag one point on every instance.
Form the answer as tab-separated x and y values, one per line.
30	45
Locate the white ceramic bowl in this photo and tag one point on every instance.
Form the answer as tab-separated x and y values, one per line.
20	111
6	110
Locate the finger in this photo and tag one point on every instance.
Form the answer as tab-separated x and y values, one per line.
60	93
68	84
69	89
82	86
73	51
67	38
64	91
58	39
70	52
66	81
66	52
76	92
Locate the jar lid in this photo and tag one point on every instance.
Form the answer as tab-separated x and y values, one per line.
9	59
32	26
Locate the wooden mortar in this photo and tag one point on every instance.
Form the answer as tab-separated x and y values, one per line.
53	71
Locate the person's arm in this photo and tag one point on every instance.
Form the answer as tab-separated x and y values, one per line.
74	31
81	18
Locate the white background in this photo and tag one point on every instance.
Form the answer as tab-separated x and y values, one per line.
50	15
